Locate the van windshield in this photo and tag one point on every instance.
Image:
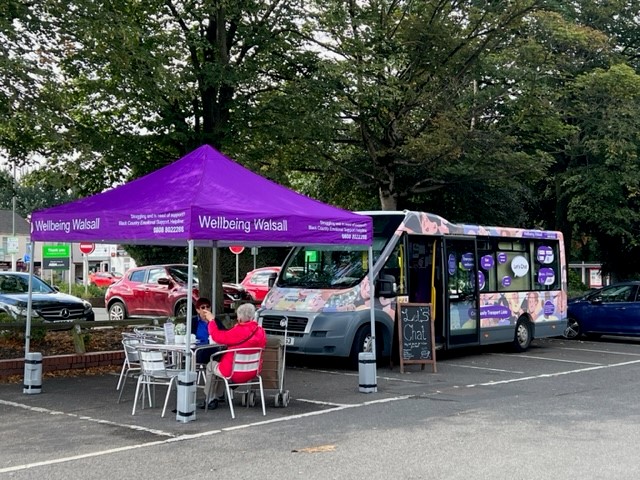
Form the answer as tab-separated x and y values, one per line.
336	266
327	267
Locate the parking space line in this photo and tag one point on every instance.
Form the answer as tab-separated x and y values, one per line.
599	351
550	359
89	419
483	368
551	375
180	438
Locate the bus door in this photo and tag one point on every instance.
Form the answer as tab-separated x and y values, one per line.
461	296
425	283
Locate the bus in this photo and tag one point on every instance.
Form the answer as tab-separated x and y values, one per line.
486	285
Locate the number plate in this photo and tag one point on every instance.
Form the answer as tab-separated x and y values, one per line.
288	341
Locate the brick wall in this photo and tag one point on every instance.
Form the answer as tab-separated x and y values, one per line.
64	362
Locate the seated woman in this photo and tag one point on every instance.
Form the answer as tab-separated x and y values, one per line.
200	327
244	334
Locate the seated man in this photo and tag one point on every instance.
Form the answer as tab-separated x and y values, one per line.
244	334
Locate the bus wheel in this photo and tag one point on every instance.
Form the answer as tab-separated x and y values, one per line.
522	338
573	330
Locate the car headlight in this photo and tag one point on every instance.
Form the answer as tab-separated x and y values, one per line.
20	313
87	306
15	311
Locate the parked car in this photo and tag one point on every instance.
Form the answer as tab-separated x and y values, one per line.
47	302
160	290
610	310
256	282
102	279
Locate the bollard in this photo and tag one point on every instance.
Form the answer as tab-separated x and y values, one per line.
32	373
186	410
367	372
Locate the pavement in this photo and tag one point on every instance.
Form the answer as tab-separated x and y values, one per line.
485	413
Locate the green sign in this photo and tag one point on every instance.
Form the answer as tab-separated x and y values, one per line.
56	251
12	245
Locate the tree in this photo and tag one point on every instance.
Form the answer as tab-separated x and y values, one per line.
141	83
406	98
602	181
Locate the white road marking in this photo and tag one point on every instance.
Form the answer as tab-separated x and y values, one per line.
549	359
599	351
178	438
550	375
483	368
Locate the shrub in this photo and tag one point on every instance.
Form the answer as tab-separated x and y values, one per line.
79	290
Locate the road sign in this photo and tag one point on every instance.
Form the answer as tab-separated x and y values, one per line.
56	251
12	245
26	258
87	247
236	249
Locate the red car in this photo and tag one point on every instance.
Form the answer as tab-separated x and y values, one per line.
102	279
256	282
160	290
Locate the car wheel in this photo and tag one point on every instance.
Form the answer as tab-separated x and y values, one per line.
573	330
181	310
117	311
522	338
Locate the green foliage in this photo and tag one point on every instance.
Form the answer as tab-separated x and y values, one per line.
575	283
77	290
156	254
38	332
518	113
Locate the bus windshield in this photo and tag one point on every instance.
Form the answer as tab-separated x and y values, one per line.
336	266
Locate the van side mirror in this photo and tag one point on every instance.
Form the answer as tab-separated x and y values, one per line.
164	281
272	279
386	286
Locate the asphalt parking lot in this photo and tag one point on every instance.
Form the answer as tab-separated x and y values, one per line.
77	420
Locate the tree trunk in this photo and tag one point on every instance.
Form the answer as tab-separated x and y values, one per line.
388	201
205	269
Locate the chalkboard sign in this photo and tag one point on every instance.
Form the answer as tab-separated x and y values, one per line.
415	335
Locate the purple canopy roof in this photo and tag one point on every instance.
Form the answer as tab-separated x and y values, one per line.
206	197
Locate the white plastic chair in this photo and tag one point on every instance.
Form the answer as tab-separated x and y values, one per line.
131	363
153	372
245	360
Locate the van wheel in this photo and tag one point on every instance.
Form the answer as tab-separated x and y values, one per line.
522	338
117	311
362	343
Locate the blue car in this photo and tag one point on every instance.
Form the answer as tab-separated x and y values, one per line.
611	310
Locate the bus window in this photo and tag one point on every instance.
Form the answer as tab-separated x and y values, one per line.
546	275
513	267
394	267
487	271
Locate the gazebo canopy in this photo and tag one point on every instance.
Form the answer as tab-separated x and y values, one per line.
205	197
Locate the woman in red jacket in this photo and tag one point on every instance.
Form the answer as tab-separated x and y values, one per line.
244	334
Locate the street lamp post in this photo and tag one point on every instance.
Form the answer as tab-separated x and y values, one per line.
13	223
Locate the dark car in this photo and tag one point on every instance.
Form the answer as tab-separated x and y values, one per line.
160	290
47	303
611	310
